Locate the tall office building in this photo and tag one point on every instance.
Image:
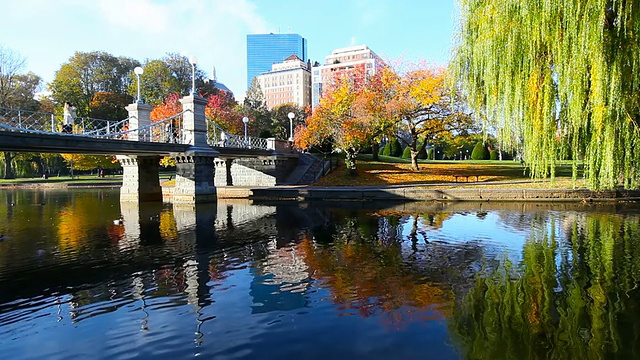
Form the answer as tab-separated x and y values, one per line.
288	82
264	50
341	61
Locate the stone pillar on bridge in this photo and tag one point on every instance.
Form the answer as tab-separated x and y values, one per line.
140	174
140	178
194	168
139	116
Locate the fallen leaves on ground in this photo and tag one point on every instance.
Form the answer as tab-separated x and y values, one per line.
372	173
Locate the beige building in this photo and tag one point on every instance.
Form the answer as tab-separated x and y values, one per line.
340	61
287	82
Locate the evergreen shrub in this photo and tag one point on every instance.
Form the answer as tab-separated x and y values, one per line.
479	152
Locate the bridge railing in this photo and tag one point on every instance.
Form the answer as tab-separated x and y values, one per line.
215	138
43	122
169	130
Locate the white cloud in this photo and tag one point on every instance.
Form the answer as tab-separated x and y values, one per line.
140	29
140	15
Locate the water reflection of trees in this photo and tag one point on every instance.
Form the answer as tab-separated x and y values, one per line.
575	295
360	259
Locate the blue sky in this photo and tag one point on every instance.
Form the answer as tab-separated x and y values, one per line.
47	32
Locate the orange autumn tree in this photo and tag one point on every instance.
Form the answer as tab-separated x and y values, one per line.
423	106
170	106
222	109
371	105
336	120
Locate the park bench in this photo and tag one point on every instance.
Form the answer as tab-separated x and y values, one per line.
466	177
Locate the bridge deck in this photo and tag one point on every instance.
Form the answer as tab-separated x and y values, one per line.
78	144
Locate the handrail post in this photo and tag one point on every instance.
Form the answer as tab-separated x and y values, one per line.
139	116
194	125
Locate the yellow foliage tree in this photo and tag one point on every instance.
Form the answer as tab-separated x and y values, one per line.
423	106
89	162
336	119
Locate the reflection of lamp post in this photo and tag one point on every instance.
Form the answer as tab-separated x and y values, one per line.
138	71
245	120
193	61
291	115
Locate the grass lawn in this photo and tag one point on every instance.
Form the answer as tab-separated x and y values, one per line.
82	179
396	171
77	180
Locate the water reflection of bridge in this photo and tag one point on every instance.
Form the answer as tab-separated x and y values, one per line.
202	241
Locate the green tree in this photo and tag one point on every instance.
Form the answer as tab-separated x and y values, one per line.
166	76
156	83
554	71
22	94
109	106
280	119
181	70
16	91
406	153
479	152
86	74
395	148
254	98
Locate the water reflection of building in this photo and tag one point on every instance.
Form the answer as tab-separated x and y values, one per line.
280	279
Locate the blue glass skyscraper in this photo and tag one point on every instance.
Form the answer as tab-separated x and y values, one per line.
263	50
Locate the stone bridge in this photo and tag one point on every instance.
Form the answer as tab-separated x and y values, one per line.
203	160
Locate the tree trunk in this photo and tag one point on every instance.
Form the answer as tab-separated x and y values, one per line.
8	169
414	161
350	161
375	148
414	158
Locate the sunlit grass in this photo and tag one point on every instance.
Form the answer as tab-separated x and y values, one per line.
396	171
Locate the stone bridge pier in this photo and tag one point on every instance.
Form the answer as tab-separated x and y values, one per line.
140	174
256	171
194	168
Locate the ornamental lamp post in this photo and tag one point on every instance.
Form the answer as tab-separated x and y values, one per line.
138	71
245	120
193	61
291	115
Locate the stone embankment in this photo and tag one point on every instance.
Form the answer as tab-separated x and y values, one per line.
441	192
426	193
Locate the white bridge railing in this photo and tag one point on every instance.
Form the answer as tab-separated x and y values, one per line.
43	122
215	137
169	130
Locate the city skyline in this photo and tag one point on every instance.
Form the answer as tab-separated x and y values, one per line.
48	33
264	50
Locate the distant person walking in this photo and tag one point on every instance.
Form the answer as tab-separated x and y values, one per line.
223	139
69	117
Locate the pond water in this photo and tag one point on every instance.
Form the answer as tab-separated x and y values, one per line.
83	276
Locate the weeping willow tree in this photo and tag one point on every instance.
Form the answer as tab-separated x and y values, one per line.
547	73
